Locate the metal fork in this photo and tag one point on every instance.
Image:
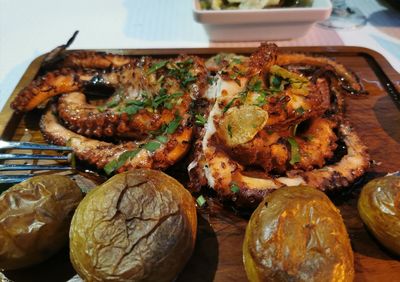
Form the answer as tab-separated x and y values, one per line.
5	145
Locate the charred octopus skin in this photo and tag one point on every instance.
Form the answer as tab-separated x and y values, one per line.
148	116
149	94
270	119
271	126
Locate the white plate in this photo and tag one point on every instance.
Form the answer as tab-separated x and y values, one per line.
264	24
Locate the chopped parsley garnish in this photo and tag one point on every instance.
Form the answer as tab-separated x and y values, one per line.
173	125
229	128
157	66
236	60
236	74
164	99
200	120
182	72
308	137
294	151
300	110
162	138
211	80
255	87
151	146
125	156
235	188
112	103
281	77
201	201
160	79
261	99
293	129
131	110
122	159
218	59
229	105
101	109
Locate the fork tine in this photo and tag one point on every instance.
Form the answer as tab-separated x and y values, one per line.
10	179
33	157
9	167
31	146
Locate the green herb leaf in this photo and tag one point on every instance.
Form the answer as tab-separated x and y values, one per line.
186	63
165	99
229	128
111	166
134	102
229	105
294	151
200	120
293	129
188	79
173	125
218	59
101	109
256	87
160	79
300	110
308	137
201	201
235	188
236	60
131	110
211	80
162	138
157	66
112	103
122	159
152	146
72	158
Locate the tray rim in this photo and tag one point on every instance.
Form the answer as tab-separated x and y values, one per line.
7	114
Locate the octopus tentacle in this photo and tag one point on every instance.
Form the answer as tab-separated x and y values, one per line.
220	172
96	60
275	156
142	105
100	153
347	170
51	84
90	120
302	59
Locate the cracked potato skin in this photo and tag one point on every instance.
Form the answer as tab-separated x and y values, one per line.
34	219
138	226
379	209
297	234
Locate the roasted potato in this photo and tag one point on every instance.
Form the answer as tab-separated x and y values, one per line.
34	219
379	208
138	226
297	234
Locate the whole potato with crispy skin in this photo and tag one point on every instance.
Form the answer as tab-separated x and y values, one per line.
34	219
297	234
138	226
379	208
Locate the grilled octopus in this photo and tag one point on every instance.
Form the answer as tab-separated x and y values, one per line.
269	126
270	119
149	94
150	109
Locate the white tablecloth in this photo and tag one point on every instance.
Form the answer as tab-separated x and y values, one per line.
31	28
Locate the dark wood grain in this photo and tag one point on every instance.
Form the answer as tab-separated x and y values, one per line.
218	253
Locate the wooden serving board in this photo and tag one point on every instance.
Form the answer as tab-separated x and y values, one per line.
218	253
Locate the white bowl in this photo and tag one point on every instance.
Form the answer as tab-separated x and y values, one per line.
261	24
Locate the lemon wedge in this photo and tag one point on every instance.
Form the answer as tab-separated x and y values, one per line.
240	124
